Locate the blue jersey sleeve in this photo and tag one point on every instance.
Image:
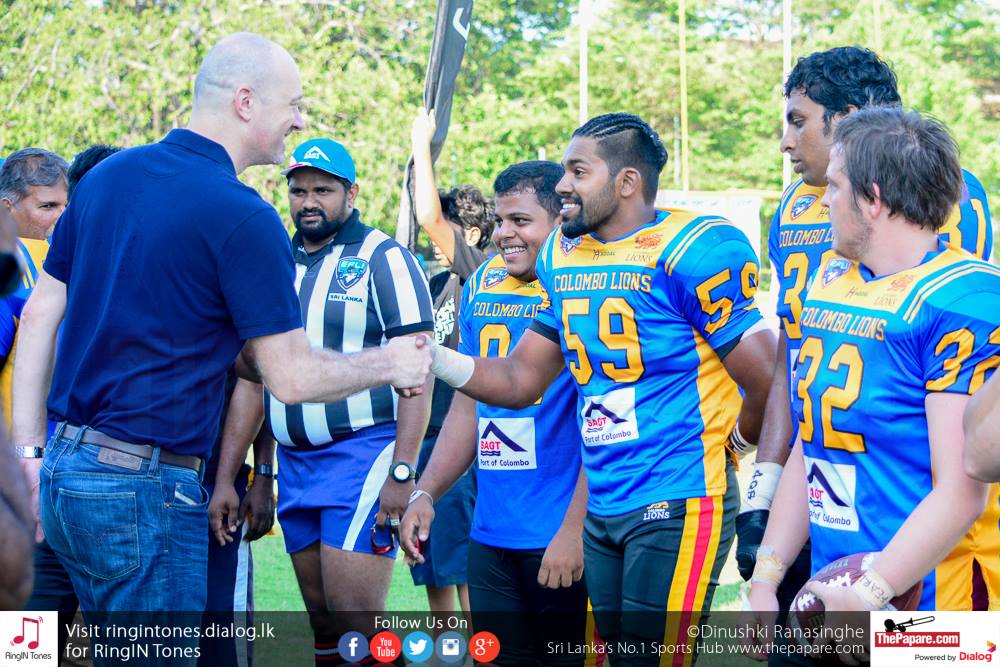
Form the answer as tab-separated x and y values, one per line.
257	276
961	343
467	343
715	283
404	300
774	253
546	323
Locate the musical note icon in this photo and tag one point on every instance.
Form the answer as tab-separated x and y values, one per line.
32	645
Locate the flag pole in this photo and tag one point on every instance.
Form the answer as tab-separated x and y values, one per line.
584	64
786	66
682	31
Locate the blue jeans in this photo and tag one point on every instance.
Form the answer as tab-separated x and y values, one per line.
131	540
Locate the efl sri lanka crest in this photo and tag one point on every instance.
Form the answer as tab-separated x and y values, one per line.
350	270
568	245
835	269
493	277
802	204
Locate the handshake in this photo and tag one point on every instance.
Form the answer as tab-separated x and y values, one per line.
409	359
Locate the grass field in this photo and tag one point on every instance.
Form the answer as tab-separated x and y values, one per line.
275	588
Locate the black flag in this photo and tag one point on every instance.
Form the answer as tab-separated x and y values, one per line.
451	30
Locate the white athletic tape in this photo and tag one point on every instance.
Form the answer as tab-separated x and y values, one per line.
763	483
454	368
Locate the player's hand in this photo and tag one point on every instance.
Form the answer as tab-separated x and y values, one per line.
837	598
840	599
422	131
562	562
416	528
392	502
32	470
257	508
759	620
410	357
223	513
749	533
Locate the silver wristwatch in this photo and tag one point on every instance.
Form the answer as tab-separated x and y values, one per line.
29	452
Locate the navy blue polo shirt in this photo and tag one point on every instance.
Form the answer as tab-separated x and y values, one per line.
170	264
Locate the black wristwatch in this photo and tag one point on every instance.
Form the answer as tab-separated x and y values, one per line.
403	472
263	470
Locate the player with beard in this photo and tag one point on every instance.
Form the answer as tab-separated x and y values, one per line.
347	468
654	314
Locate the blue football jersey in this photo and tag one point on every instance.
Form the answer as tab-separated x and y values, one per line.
642	321
526	459
800	240
872	350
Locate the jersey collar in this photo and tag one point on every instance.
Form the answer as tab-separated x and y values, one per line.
868	275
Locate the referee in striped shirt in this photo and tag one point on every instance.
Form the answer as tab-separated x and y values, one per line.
346	467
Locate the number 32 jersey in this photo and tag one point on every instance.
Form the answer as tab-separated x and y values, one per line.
643	322
872	350
800	239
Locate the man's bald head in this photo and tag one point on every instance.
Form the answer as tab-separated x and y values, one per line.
246	97
241	59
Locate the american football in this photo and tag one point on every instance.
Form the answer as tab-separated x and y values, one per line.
807	610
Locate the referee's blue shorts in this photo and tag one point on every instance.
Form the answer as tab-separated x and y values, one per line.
331	493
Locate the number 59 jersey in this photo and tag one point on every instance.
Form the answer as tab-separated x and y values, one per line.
643	323
872	350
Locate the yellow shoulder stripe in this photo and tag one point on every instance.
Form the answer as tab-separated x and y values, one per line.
959	271
691	237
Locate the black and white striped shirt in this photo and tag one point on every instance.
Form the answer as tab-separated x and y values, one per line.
358	291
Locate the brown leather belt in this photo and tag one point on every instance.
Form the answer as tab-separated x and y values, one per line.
106	442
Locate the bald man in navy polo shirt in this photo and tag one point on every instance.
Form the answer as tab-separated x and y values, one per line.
162	267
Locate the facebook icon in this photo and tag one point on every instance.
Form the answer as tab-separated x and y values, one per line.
353	647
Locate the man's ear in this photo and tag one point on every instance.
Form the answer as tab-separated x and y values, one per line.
8	204
876	205
472	235
841	115
352	193
243	102
630	181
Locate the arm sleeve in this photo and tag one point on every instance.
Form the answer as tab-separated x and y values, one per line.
257	275
59	260
715	283
776	258
402	297
467	258
961	343
467	344
546	323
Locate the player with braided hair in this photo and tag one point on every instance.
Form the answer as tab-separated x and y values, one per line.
652	312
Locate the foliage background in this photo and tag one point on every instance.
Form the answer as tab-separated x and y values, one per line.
74	73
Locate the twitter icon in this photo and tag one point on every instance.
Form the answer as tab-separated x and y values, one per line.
418	646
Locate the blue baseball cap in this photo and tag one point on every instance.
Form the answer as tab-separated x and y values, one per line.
326	155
